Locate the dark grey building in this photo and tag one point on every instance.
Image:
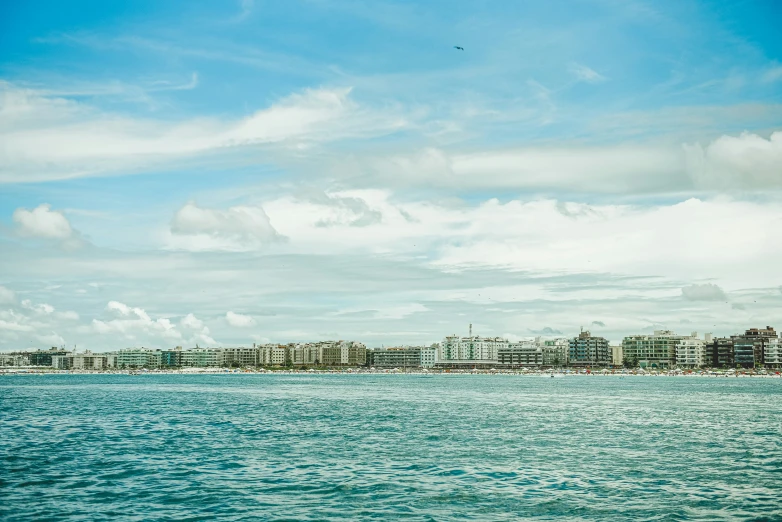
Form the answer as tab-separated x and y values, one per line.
44	357
749	349
721	353
586	350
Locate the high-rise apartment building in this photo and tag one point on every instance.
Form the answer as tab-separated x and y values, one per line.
692	353
471	348
654	351
586	350
749	348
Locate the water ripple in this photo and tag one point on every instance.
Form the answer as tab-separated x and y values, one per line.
332	447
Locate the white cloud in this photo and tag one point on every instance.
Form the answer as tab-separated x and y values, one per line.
585	74
191	322
42	222
68	315
747	161
51	339
7	296
731	162
52	138
134	323
43	308
703	292
238	228
239	320
511	266
544	234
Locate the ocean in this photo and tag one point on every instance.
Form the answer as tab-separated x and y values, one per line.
389	447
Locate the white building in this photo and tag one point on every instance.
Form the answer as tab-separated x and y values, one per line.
202	357
88	361
14	359
617	358
471	348
691	352
328	353
522	353
773	353
428	357
275	354
653	351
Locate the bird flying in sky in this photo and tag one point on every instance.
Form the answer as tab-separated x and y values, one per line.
457	47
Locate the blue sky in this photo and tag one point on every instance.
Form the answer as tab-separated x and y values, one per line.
337	168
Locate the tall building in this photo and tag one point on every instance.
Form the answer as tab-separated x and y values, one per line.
471	348
773	353
617	357
692	353
555	352
586	350
325	353
171	358
653	351
239	357
720	353
88	361
749	348
275	355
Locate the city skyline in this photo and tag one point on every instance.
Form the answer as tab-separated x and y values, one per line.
233	172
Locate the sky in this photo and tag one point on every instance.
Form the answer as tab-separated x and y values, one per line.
222	173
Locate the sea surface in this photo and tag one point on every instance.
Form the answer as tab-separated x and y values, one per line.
389	447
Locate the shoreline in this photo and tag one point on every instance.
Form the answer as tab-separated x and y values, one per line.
711	374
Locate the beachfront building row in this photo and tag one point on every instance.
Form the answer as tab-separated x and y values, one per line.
327	353
756	347
583	350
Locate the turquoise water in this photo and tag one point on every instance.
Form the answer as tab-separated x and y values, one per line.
335	447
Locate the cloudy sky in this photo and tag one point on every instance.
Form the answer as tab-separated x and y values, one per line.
223	173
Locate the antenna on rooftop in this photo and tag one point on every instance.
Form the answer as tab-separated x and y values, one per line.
470	329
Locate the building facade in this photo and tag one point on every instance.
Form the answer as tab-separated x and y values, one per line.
555	352
773	353
651	351
617	356
692	353
202	357
138	358
404	357
522	353
240	357
44	357
588	350
14	359
472	348
749	348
